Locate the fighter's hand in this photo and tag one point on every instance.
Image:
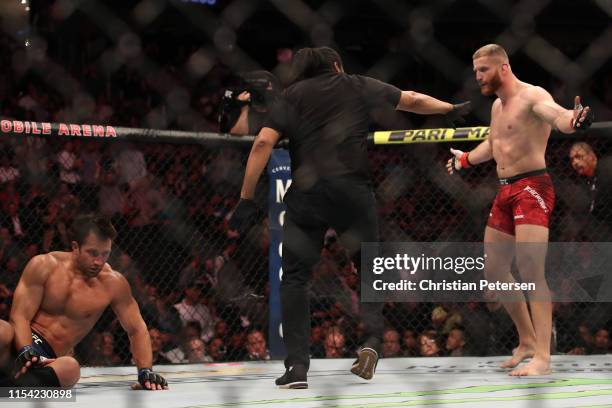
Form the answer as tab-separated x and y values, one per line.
150	380
29	356
243	216
582	117
454	163
456	115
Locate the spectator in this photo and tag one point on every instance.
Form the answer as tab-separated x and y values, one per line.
236	350
7	171
69	163
220	329
601	342
428	344
391	343
217	349
191	308
111	198
335	343
585	334
598	189
8	247
455	343
196	352
585	342
192	330
9	195
13	220
12	269
144	202
130	164
256	346
104	344
156	346
444	321
90	174
409	343
316	342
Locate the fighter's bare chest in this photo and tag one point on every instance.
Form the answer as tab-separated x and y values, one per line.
511	118
73	298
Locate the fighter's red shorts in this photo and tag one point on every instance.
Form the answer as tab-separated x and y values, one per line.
527	198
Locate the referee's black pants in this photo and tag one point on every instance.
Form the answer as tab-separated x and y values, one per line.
350	208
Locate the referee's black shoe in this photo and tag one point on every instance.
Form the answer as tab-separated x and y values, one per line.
365	365
295	378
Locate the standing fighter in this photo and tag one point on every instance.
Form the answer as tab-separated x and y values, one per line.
59	298
521	120
325	116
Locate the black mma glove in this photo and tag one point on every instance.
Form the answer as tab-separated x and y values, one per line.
245	214
456	116
147	375
27	354
588	119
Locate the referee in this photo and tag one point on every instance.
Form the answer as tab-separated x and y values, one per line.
325	116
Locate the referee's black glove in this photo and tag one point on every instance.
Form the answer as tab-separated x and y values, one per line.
456	116
245	214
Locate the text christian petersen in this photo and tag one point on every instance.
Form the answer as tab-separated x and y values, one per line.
405	264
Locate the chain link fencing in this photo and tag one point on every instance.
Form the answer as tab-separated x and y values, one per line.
164	64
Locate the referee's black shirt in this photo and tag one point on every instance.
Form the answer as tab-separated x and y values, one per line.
326	120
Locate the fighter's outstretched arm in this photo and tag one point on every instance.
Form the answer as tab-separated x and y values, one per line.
565	120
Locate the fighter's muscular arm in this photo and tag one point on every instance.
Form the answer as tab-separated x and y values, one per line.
125	307
28	297
482	153
550	112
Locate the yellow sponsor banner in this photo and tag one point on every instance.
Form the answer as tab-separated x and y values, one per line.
467	134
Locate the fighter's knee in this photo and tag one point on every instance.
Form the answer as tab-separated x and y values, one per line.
529	266
495	270
68	371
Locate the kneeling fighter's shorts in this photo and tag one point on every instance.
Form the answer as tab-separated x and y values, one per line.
527	198
34	377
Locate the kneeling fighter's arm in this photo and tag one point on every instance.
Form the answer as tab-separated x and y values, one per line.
423	104
27	299
125	307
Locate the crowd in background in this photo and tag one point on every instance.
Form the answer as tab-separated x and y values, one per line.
202	288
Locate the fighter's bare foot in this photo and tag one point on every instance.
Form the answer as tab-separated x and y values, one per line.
520	353
537	366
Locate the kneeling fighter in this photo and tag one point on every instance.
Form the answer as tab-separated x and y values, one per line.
59	298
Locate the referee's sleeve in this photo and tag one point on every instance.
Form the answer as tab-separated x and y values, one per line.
380	93
278	117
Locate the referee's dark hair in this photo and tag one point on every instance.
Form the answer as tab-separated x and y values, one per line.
311	62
